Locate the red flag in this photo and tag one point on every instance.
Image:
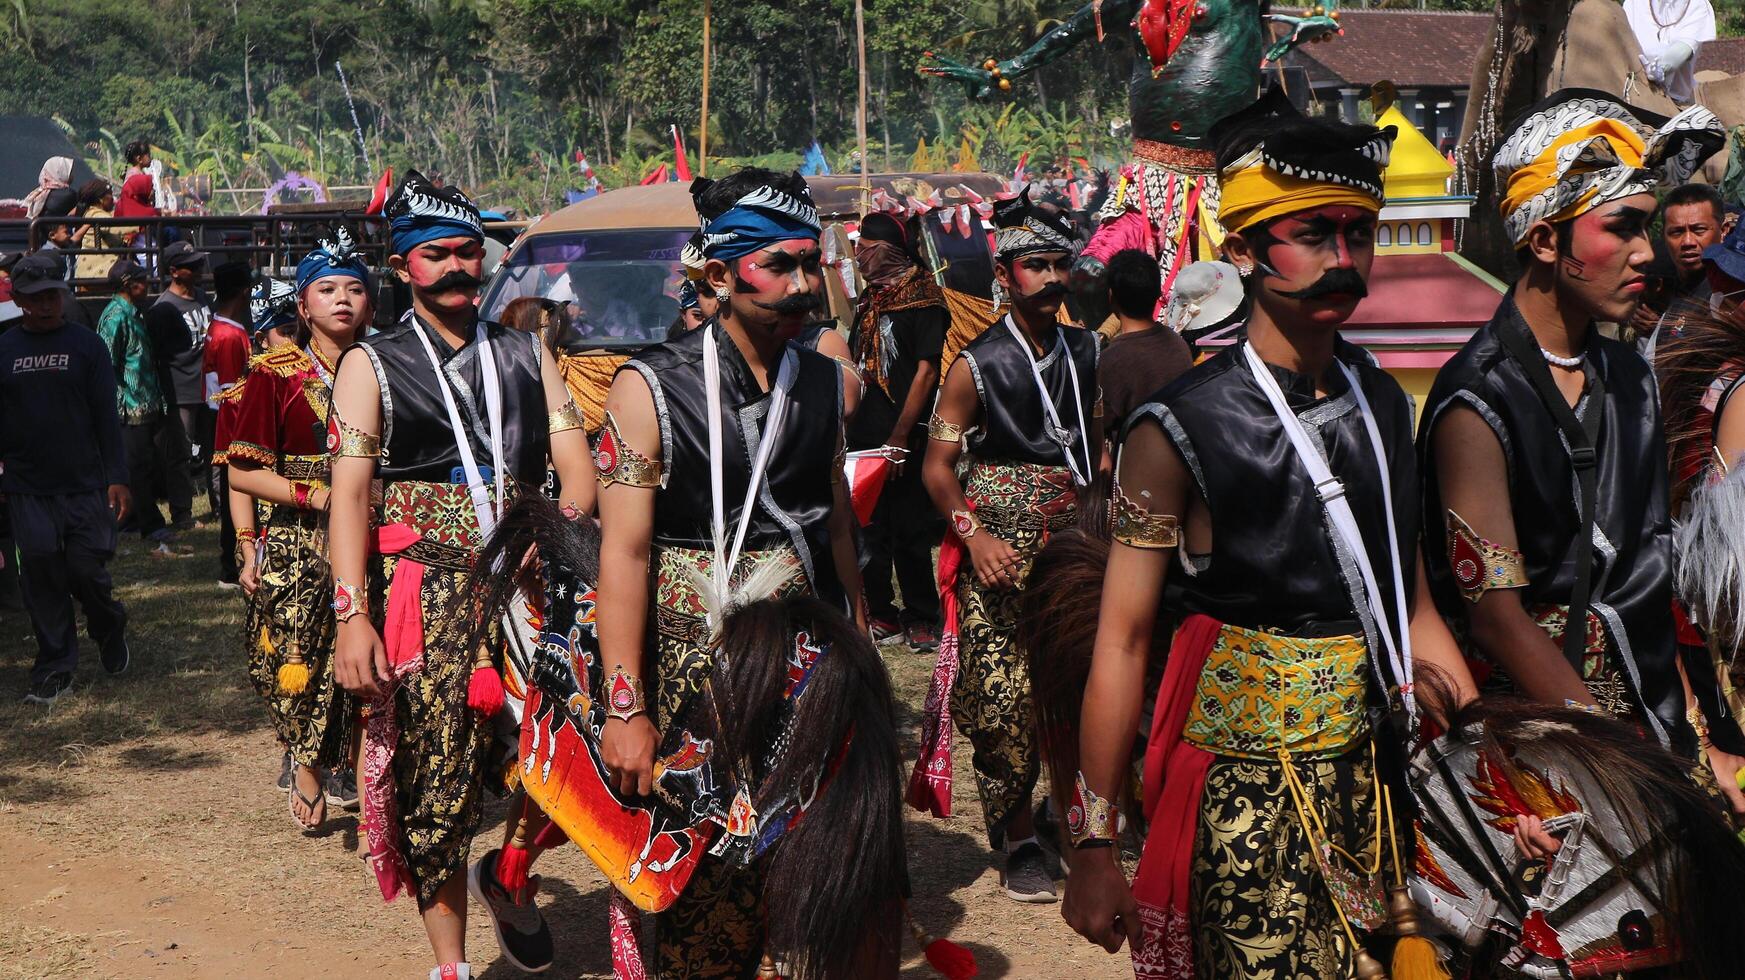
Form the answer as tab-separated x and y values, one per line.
684	167
866	471
655	176
379	199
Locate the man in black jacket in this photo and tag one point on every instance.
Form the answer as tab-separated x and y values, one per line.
65	494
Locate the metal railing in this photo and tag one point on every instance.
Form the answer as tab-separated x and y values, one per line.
271	243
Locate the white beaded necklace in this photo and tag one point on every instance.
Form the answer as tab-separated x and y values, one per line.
1561	361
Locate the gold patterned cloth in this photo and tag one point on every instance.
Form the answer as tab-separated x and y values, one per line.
1600	668
1263	691
293	611
441	747
1022	504
1260	788
716	927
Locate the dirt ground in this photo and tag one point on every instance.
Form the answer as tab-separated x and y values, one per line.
142	836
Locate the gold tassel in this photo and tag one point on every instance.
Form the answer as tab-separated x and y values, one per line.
293	673
1415	956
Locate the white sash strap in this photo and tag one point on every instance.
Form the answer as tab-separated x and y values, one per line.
1051	414
484	508
1332	494
725	560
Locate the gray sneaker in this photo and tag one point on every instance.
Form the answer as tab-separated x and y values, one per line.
1026	877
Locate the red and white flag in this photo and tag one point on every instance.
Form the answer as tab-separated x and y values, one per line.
867	470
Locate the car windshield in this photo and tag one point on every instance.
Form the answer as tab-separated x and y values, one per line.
621	286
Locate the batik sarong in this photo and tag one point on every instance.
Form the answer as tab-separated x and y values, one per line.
1258	766
981	677
421	821
716	927
292	612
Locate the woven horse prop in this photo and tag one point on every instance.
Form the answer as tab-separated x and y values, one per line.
1648	869
788	756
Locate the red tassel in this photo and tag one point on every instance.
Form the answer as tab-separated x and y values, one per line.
485	689
953	961
512	863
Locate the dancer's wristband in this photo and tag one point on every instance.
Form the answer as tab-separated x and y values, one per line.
1090	819
624	695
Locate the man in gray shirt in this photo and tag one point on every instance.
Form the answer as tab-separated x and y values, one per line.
177	324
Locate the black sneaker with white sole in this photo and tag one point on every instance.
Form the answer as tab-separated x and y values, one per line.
47	690
1026	878
341	789
522	934
114	653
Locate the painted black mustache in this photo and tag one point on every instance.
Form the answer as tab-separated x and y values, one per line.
1049	291
797	303
1342	281
457	279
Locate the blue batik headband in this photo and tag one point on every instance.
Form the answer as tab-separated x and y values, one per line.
422	212
332	257
762	218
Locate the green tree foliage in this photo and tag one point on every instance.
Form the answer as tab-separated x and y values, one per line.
498	95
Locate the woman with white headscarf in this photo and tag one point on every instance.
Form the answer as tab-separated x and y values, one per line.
52	197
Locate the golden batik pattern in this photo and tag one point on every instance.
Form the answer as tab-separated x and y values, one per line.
1260	691
294	608
440	760
1261	910
1021	504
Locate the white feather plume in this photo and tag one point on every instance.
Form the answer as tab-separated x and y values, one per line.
1708	550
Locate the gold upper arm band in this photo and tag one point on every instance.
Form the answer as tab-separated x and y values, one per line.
348	440
619	463
938	428
1480	565
564	419
1137	527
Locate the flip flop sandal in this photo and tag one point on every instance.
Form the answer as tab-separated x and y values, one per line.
311	802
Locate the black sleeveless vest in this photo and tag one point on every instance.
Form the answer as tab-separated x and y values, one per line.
793	506
417	441
1013	426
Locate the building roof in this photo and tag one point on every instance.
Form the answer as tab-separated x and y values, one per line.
1411	48
1415	167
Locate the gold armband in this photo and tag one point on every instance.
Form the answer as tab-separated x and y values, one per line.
348	440
619	463
564	419
1480	565
938	428
1137	527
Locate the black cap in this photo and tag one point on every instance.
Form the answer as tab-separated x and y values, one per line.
38	273
182	254
8	260
125	270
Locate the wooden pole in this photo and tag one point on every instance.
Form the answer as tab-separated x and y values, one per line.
703	139
860	116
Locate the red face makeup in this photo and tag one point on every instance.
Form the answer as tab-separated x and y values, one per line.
780	287
1037	281
447	272
1601	269
1315	263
